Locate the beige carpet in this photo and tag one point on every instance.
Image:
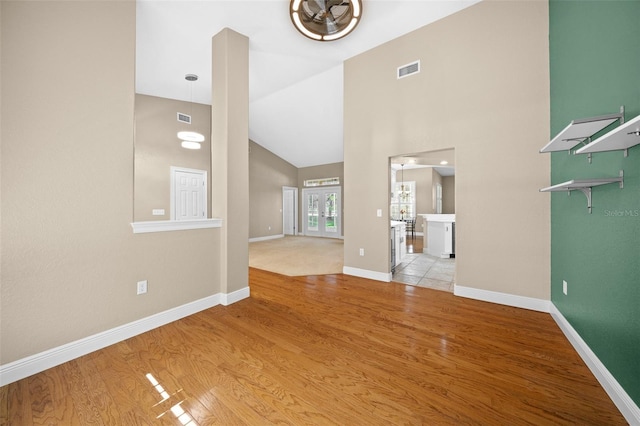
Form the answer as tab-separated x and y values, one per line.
297	255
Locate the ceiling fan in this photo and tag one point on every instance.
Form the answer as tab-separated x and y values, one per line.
325	20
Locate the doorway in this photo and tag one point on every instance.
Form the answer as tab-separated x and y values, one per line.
188	193
428	180
321	207
289	210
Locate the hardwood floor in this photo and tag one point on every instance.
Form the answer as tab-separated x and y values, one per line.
329	349
414	244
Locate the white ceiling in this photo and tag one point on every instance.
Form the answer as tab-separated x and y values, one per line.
444	161
295	83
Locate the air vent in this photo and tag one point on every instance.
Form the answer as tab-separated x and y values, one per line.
184	118
409	69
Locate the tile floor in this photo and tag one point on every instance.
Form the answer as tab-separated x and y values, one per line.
423	270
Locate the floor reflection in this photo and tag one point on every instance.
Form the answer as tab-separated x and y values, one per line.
176	408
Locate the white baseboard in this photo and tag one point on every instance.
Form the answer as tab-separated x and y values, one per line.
236	296
365	273
268	237
502	298
33	364
618	395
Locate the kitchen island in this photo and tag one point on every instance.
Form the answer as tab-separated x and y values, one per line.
439	236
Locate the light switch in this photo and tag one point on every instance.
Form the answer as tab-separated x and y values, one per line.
379	212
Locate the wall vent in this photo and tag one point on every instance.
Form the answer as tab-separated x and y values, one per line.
184	118
409	69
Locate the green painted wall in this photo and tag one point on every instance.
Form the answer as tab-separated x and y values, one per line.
595	68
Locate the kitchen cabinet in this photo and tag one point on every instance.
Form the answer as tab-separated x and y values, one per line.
441	235
399	231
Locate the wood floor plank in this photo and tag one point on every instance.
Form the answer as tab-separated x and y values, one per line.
326	350
295	370
4	405
18	403
92	403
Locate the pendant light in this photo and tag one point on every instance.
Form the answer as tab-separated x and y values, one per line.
190	145
403	194
190	139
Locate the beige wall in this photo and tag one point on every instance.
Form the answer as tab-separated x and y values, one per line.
230	154
70	261
483	90
268	173
157	148
318	172
426	180
436	180
322	171
448	194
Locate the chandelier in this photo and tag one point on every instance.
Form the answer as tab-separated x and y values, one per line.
404	193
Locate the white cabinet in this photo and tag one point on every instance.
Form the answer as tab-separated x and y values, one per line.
441	235
400	240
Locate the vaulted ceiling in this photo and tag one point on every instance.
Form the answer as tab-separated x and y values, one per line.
295	83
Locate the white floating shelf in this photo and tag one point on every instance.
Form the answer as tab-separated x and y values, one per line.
584	186
580	130
579	183
620	138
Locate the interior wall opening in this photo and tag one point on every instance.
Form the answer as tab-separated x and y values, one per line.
422	219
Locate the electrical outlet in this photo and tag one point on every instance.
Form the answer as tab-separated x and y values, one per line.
142	287
564	287
361	252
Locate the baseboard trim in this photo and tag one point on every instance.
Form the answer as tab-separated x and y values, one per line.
268	237
236	296
618	395
365	273
530	303
33	364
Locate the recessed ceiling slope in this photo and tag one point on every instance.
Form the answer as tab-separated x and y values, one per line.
173	38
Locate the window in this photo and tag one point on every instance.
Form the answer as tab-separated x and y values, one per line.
403	200
322	182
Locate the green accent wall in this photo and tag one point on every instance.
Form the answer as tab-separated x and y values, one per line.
594	69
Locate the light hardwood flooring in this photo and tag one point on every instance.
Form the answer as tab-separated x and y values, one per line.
326	350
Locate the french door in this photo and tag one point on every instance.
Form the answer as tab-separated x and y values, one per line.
321	211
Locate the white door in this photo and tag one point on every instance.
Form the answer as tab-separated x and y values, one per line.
321	216
289	210
188	194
